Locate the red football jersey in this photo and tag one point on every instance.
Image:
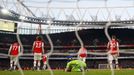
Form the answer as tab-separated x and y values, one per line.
113	46
44	58
83	52
38	46
15	49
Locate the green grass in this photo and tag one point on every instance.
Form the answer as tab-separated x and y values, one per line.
61	72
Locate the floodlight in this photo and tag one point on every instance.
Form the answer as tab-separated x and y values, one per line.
22	17
5	11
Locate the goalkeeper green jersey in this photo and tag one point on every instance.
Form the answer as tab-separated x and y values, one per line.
76	65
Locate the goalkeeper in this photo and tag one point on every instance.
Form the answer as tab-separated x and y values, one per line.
75	66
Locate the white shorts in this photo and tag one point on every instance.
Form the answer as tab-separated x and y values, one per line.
82	59
14	58
112	57
37	56
45	63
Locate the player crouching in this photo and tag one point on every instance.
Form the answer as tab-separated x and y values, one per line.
75	66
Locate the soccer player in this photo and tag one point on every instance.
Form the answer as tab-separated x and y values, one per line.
38	50
14	53
75	66
113	52
82	54
44	59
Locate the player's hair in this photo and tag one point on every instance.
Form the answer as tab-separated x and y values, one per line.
113	37
39	38
15	41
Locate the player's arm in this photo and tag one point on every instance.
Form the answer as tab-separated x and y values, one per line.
118	48
19	49
79	52
33	47
43	47
9	49
68	69
108	47
86	52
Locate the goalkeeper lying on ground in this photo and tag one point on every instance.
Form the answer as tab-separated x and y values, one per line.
75	66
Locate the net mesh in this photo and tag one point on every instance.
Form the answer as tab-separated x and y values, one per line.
48	29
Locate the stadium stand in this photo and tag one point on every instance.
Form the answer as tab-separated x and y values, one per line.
68	45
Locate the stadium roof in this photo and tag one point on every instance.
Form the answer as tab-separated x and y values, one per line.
13	16
88	13
73	10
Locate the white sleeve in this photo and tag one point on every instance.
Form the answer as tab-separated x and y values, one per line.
117	44
19	49
108	44
43	47
10	49
86	50
79	51
33	46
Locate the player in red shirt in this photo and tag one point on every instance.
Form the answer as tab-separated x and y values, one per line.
38	50
82	54
14	53
113	52
44	59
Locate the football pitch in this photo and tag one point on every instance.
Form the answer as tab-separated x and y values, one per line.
61	72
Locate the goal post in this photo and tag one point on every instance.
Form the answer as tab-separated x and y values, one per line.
105	66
